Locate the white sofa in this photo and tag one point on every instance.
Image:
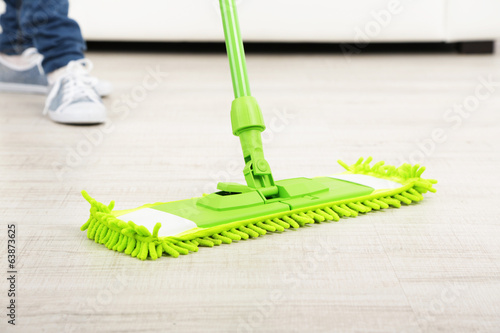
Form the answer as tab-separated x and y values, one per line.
292	20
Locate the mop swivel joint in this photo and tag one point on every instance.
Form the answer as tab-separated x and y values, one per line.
248	123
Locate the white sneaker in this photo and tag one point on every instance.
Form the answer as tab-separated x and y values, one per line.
30	77
73	99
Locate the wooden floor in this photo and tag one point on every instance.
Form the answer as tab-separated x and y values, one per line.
429	267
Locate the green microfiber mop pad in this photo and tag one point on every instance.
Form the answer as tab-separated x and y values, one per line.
361	189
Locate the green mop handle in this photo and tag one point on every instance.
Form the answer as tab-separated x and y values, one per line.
235	49
246	117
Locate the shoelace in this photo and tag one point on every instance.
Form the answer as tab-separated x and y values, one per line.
77	84
33	56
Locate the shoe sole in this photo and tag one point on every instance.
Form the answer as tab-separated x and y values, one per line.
83	123
24	88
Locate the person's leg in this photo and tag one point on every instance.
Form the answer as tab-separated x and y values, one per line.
12	40
73	96
57	37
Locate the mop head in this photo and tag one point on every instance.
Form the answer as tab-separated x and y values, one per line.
180	227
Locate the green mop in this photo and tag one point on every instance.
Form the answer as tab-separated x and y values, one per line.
236	211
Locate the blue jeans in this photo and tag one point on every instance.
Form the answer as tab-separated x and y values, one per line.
43	24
